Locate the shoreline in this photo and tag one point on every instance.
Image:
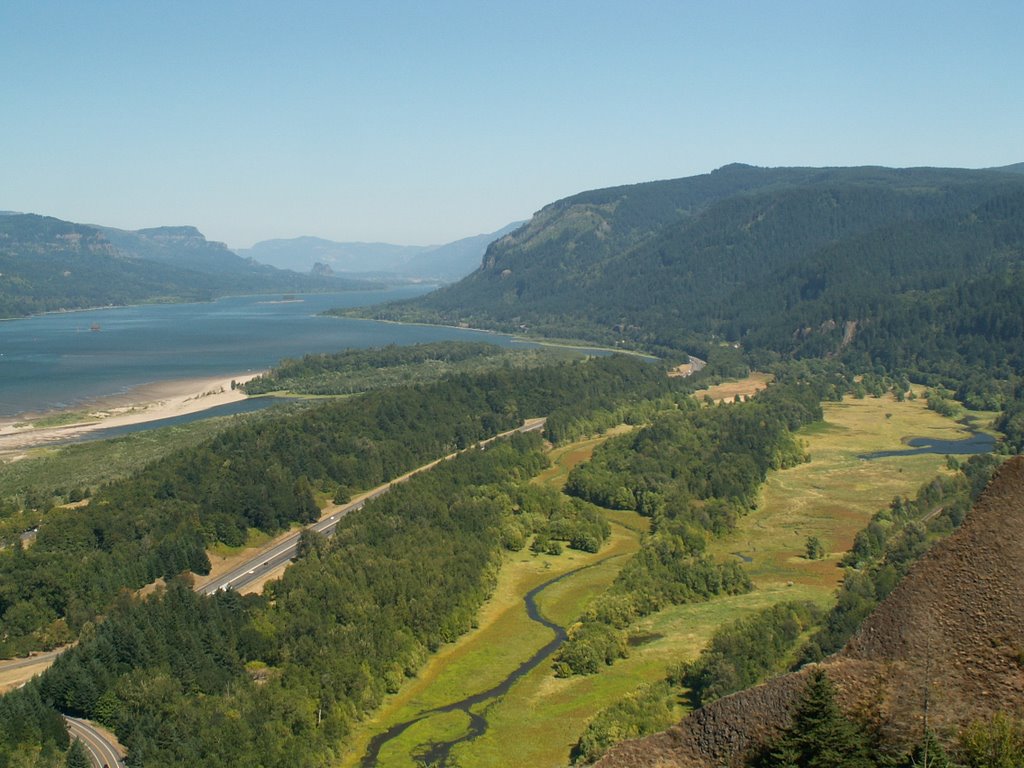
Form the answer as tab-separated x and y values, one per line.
141	404
516	338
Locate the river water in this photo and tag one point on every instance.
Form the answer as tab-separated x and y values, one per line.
58	360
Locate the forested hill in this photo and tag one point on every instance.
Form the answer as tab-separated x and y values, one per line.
778	259
48	264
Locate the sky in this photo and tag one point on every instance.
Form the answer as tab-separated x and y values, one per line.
426	121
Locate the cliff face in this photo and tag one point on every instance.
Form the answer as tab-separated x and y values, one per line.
951	634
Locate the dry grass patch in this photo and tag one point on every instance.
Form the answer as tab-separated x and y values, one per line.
728	390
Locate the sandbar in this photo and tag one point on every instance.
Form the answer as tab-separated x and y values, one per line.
149	402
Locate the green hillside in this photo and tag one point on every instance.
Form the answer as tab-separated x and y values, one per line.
784	261
47	264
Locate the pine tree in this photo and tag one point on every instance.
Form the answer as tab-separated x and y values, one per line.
77	757
820	735
928	754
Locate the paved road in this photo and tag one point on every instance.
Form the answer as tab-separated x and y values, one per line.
283	552
30	661
101	752
270	559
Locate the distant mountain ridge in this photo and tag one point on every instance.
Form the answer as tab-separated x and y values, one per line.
47	264
446	263
805	261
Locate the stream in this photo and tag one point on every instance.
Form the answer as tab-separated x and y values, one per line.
437	753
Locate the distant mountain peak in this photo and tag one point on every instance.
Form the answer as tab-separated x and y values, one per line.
445	263
181	232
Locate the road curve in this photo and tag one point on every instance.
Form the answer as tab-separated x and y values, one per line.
102	753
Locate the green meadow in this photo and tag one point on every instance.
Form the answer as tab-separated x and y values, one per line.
831	497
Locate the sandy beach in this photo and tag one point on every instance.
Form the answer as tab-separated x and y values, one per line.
150	402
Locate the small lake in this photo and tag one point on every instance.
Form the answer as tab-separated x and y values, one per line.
58	361
978	442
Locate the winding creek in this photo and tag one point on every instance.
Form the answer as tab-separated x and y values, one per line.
437	753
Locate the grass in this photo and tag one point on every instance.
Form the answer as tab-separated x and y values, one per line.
831	497
60	419
93	463
255	539
727	391
505	635
504	639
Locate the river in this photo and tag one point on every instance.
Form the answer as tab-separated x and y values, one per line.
60	360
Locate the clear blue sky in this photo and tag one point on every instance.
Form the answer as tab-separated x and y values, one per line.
426	121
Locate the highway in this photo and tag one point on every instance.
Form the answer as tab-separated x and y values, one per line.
101	752
30	661
282	553
258	566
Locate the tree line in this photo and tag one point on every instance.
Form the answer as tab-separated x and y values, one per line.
263	474
694	470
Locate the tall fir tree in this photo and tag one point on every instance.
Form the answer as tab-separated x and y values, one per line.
820	735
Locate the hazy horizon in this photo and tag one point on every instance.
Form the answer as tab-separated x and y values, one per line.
421	124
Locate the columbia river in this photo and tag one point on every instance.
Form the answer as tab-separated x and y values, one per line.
60	360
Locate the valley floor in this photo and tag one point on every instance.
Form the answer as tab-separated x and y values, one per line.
832	497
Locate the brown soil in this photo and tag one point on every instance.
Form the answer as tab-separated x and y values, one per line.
728	390
952	632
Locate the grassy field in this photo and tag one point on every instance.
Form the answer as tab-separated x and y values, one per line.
831	497
90	464
505	636
728	390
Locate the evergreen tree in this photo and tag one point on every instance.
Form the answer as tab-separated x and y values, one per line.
928	754
820	735
77	756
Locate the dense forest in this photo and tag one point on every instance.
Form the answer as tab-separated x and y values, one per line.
361	370
398	579
912	269
836	280
693	471
277	680
262	474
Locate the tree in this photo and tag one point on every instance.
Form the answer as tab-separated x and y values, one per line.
994	743
820	735
928	754
77	757
815	550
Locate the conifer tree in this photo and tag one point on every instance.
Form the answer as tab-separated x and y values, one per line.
77	756
820	735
